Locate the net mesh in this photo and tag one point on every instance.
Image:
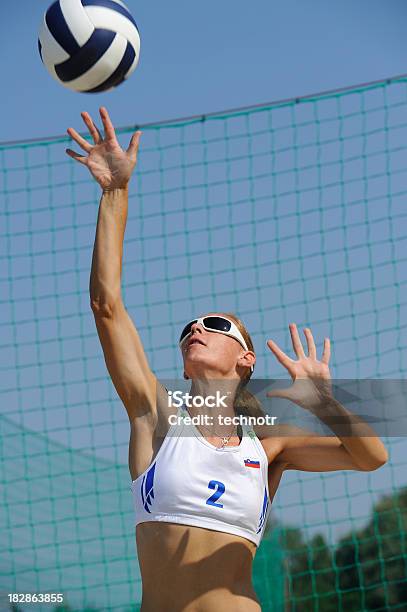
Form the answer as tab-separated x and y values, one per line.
292	211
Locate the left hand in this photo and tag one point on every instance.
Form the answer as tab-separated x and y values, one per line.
311	377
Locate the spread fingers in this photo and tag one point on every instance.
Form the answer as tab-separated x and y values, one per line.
84	144
94	132
80	158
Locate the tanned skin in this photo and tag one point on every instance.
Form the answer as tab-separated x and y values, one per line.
185	568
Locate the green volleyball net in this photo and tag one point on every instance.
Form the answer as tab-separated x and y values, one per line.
291	211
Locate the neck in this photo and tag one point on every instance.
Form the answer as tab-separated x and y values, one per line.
220	395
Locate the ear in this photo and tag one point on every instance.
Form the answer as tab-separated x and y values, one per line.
247	360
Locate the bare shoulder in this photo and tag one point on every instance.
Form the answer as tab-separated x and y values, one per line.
165	410
271	439
156	421
274	441
147	433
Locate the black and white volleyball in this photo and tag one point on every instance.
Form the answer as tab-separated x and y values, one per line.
89	45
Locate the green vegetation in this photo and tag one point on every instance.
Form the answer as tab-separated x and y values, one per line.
366	570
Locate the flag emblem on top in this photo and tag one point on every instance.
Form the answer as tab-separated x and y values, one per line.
252	463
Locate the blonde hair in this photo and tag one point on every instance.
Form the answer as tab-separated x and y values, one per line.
245	403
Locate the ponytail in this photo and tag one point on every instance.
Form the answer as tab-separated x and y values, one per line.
247	404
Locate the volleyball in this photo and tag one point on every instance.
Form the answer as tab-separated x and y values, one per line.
89	46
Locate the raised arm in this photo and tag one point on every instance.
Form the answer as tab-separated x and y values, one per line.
123	351
124	355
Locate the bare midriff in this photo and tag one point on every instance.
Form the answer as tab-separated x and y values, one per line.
192	569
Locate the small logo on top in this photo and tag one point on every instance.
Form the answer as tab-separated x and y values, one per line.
252	463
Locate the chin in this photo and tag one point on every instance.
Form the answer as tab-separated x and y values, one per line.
200	367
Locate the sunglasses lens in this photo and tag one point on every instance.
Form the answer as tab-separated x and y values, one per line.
217	324
186	330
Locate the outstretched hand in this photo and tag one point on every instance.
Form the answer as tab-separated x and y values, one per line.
311	377
108	163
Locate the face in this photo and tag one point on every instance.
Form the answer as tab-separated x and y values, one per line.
207	352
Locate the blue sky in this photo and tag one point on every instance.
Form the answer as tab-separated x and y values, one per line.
197	58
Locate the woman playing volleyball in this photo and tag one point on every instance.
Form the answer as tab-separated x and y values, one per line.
202	492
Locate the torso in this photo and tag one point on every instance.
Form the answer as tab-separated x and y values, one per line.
193	569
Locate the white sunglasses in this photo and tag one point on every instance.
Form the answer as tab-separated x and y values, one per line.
218	324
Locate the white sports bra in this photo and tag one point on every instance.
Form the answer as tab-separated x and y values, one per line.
191	482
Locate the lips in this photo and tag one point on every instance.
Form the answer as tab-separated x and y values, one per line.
195	341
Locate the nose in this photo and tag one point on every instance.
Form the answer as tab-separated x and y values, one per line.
195	326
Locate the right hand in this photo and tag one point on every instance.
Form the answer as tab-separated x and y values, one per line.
107	162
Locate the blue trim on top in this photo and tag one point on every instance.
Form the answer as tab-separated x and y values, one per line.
263	511
147	492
